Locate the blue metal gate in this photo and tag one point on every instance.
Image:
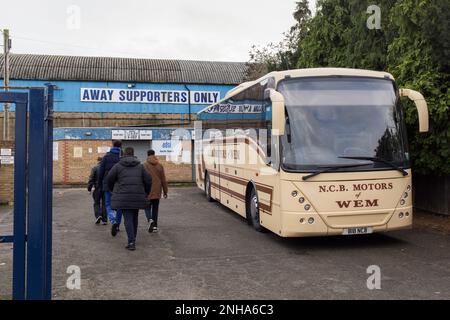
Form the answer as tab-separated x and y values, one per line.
32	238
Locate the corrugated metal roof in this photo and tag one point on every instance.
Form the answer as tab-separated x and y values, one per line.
52	67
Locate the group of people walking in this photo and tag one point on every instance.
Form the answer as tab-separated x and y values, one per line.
122	186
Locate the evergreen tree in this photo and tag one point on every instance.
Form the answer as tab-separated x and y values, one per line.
418	57
412	43
338	36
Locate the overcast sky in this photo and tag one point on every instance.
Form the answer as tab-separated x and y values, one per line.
216	30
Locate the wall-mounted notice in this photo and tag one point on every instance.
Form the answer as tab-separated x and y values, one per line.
6	159
103	149
55	151
118	134
78	152
133	134
166	147
145	135
5	152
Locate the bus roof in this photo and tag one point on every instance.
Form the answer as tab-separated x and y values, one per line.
310	72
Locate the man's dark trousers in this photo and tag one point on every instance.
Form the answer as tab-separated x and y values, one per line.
152	211
131	223
99	204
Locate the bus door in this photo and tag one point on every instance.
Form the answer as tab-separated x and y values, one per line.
215	170
225	187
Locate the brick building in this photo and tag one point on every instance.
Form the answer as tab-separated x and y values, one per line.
75	151
97	97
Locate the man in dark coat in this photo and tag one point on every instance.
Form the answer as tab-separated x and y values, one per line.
130	184
97	195
108	161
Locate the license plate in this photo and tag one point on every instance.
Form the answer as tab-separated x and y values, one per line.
361	230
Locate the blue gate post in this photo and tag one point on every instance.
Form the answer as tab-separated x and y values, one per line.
20	178
37	244
20	193
49	141
32	256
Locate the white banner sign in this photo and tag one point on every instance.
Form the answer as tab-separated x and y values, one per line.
131	134
166	147
148	96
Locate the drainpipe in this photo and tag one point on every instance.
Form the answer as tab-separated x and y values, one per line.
189	102
192	141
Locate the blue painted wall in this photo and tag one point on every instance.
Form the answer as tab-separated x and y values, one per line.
68	99
106	133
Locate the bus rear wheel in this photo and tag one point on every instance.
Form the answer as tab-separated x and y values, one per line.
253	211
208	188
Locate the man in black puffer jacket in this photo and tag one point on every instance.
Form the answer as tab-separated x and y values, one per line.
130	184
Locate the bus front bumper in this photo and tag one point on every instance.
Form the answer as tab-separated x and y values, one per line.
301	224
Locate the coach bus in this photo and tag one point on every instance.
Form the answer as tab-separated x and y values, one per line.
311	152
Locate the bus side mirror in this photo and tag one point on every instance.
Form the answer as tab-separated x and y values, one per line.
421	105
278	119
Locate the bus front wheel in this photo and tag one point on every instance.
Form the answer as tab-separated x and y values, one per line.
208	188
253	211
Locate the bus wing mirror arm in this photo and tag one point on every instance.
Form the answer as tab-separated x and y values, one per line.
421	105
278	118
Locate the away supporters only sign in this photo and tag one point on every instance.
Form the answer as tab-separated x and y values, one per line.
108	95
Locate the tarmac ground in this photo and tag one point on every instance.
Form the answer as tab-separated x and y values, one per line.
205	251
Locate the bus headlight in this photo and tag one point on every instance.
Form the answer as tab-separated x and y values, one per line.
307	207
294	193
301	199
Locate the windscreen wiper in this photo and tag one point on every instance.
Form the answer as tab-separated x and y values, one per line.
376	159
333	168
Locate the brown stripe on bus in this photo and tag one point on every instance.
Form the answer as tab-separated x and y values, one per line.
264	207
260	187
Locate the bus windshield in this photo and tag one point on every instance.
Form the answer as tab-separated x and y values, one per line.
332	119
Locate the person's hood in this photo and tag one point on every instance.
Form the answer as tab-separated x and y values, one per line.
153	160
129	161
115	150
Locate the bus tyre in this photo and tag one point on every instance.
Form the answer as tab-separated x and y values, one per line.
253	211
208	188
